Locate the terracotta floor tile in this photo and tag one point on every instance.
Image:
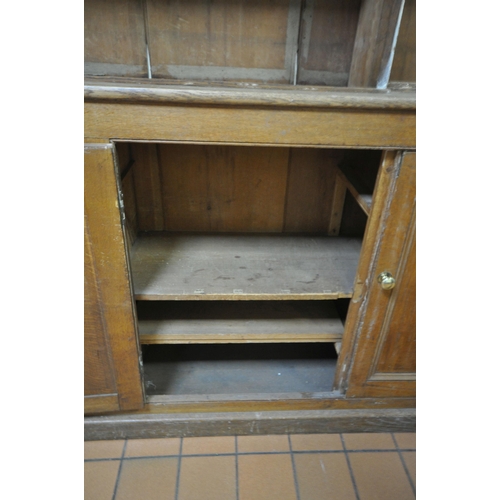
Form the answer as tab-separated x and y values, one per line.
266	477
369	441
308	442
406	440
104	449
410	458
100	480
152	447
208	445
324	476
263	443
208	478
380	476
148	478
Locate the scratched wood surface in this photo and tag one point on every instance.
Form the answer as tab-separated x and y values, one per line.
243	267
98	366
180	322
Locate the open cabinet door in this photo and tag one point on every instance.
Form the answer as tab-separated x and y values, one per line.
384	363
112	373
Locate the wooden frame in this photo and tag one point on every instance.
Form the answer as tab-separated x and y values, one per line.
346	118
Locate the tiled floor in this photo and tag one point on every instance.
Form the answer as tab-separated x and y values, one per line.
296	467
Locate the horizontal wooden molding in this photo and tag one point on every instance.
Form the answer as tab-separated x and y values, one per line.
142	426
146	91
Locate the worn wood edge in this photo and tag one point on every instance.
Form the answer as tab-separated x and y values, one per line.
246	296
248	423
268	402
143	92
101	403
254	144
257	338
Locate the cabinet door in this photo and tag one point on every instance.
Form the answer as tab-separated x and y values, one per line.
112	379
384	359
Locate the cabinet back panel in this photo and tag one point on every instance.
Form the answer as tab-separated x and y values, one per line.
220	40
311	181
328	31
306	42
220	188
115	38
179	187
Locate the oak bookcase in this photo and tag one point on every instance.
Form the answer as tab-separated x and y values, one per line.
249	217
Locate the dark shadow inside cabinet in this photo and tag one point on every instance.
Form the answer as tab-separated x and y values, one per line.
243	260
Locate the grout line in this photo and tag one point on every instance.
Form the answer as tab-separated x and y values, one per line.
350	468
177	481
236	467
295	478
119	470
404	465
101	459
296	452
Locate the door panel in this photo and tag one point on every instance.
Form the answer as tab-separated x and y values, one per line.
112	373
384	362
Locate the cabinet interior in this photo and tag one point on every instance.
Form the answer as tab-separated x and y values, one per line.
279	42
243	260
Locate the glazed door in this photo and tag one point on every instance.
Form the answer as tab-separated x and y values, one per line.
112	378
384	363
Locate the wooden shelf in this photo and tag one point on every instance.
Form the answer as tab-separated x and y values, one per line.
238	322
180	266
238	369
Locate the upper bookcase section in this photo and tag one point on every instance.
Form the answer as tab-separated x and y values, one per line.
339	43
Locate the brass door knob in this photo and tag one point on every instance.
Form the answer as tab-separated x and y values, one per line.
387	282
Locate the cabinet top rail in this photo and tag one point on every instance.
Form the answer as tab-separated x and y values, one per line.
158	91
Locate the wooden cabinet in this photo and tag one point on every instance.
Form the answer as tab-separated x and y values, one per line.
235	231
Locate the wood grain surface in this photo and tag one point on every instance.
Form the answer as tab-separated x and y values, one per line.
384	363
404	66
137	426
243	267
200	322
220	40
112	273
115	38
376	38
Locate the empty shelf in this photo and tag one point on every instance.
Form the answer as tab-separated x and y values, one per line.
238	322
238	369
183	266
